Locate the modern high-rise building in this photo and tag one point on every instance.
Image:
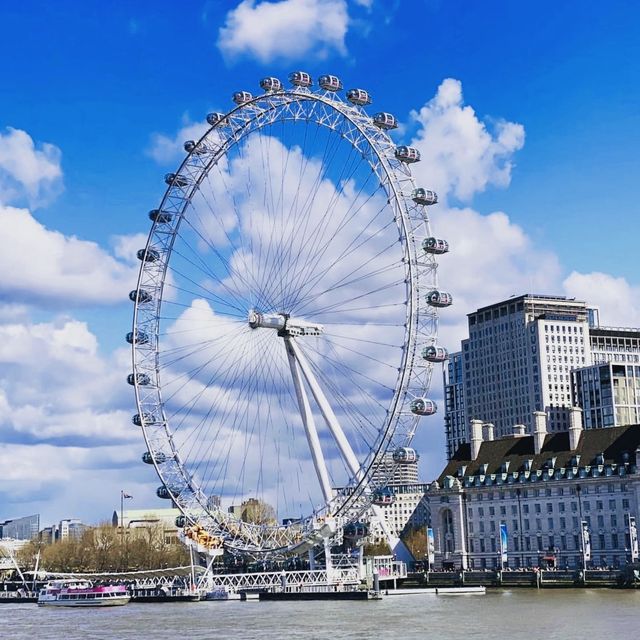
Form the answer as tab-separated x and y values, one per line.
609	394
455	417
612	344
519	358
24	528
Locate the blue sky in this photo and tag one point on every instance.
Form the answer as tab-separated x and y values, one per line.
101	82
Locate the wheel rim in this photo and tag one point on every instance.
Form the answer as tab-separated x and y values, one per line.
341	250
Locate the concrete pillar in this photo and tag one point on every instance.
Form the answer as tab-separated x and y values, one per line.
476	438
539	430
575	427
489	426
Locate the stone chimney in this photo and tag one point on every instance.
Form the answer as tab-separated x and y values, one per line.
575	427
539	430
476	438
519	430
490	431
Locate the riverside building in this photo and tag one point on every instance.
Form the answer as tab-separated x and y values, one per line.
519	358
408	509
609	394
565	499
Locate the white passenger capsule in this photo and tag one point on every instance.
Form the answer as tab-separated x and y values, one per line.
140	295
405	455
145	418
159	457
423	407
385	121
242	97
138	378
300	79
435	245
173	179
408	155
359	97
439	299
164	493
190	146
271	84
383	497
161	217
214	118
424	196
434	353
330	83
140	337
148	255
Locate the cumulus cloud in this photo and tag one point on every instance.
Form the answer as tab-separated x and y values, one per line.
618	300
40	266
28	172
460	156
66	435
285	30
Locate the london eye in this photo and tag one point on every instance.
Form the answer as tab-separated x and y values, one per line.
285	317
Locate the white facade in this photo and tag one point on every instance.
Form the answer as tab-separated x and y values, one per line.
519	358
561	347
390	472
612	344
409	510
609	394
543	496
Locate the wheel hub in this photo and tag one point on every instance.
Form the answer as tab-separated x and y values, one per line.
284	324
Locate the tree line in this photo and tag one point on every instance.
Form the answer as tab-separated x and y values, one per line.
107	549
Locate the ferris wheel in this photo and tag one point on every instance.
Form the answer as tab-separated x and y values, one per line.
285	317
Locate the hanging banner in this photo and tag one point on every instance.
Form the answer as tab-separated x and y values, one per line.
586	541
503	543
633	539
431	547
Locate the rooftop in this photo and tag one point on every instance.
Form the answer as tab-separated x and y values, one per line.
611	442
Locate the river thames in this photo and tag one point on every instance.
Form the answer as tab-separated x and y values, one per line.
565	614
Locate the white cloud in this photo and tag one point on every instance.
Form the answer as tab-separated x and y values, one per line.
39	266
65	423
460	157
28	173
167	150
285	30
618	300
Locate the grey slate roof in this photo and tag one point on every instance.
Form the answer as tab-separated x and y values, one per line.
613	443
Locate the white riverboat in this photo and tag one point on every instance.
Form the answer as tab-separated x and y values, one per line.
82	593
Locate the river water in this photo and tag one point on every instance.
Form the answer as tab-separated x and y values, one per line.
565	614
